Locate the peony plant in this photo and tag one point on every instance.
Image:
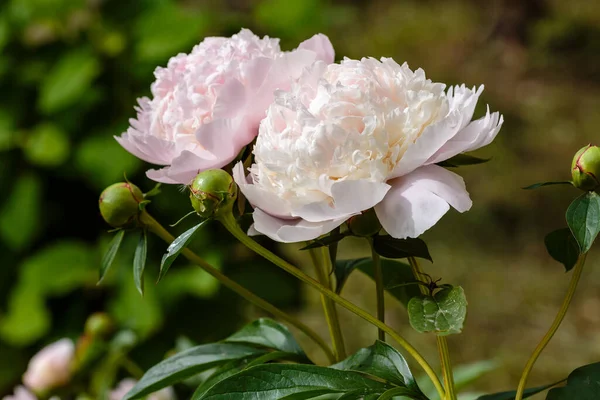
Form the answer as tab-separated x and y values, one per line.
312	151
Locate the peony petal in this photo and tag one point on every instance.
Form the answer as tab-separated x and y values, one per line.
225	138
477	134
148	148
418	201
231	99
260	198
465	100
291	230
184	168
430	141
321	45
349	198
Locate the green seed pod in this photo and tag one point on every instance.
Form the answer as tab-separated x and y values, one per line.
120	204
99	325
585	168
212	192
364	225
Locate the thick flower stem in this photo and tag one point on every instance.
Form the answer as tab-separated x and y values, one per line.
230	223
379	289
442	343
155	227
554	327
331	316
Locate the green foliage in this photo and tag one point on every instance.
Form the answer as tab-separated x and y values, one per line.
563	247
442	313
175	248
20	215
542	184
267	333
463	160
139	261
111	253
583	218
582	384
47	146
510	395
390	247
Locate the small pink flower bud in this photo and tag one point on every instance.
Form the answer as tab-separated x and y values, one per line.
51	367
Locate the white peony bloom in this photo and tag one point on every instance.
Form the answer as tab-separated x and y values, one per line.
356	135
51	367
128	383
207	105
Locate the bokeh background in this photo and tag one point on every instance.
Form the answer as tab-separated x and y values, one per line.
71	70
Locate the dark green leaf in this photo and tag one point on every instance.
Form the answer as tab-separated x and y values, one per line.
268	333
394	275
443	313
563	247
139	262
462	159
537	185
177	247
110	254
385	362
398	391
583	218
390	247
188	363
325	241
510	395
223	372
293	382
582	384
21	213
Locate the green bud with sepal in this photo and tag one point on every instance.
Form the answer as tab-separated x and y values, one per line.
585	168
99	325
212	192
120	204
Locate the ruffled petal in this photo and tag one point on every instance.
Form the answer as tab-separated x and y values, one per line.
464	99
348	198
258	197
430	141
418	201
183	169
291	230
477	134
321	45
225	138
148	148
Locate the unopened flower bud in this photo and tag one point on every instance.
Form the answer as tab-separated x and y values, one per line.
120	204
365	224
586	168
51	367
212	191
98	325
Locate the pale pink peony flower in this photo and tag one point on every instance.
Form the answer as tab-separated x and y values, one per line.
207	105
128	383
21	393
51	367
356	135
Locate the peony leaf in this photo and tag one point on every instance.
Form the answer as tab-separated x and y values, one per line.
387	246
267	333
295	381
383	361
563	247
510	395
110	254
462	160
443	313
177	247
325	241
583	218
582	384
139	262
189	363
537	185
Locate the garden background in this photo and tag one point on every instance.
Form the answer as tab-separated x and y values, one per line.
70	71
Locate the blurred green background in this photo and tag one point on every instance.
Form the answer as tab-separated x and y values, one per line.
70	71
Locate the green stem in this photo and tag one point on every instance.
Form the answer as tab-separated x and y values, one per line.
379	289
333	322
154	226
132	368
232	226
442	343
554	327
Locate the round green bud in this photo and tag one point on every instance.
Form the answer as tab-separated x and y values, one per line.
212	192
98	325
120	204
364	225
585	168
